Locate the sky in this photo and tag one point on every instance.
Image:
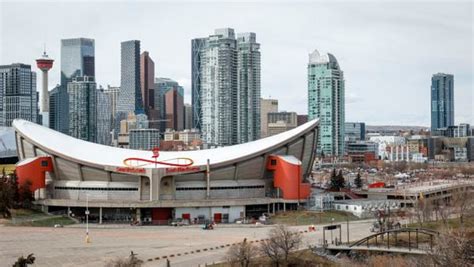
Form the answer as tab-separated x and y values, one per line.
388	50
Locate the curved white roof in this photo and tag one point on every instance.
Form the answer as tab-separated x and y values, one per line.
86	152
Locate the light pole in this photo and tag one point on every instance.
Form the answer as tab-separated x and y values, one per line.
347	217
87	219
332	222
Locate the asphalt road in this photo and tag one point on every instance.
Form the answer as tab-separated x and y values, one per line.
67	246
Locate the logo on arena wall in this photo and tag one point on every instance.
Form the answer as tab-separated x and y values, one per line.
174	163
130	170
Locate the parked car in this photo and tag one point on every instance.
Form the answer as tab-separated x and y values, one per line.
179	222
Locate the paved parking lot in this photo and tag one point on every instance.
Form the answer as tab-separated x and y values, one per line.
67	247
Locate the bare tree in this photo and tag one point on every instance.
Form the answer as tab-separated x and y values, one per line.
453	248
282	241
467	171
444	211
131	261
463	203
242	254
271	249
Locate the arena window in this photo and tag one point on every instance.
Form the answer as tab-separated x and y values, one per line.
96	188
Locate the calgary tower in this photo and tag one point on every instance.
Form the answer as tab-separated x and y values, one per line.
45	64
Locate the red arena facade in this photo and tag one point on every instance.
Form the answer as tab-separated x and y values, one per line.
120	185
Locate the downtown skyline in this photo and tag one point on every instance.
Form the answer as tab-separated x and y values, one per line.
388	61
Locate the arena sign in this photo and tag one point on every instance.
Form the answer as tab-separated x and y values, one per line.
175	165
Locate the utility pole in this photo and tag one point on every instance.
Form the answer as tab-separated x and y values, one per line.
208	179
347	217
87	219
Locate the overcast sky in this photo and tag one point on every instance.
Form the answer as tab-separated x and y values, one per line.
387	50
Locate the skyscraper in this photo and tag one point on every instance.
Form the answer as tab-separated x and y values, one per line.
248	86
442	101
18	95
267	106
147	79
174	108
130	97
77	60
55	106
188	116
326	102
82	94
104	116
162	86
112	94
226	87
197	47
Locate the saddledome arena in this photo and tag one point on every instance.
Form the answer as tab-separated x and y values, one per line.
120	185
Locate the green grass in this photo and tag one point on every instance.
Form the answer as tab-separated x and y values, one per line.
20	213
47	222
30	217
311	217
454	223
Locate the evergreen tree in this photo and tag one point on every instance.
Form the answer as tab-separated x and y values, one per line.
340	180
26	196
337	180
13	181
358	181
6	198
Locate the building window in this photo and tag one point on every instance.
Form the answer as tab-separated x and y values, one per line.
44	163
273	162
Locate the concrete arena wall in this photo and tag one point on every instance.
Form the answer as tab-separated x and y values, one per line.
250	171
235	212
102	191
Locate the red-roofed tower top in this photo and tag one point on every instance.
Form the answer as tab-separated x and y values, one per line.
45	64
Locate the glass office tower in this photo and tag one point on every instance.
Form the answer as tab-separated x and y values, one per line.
326	102
130	97
442	101
77	60
82	93
18	95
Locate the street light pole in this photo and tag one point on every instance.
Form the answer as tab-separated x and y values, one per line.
87	219
332	222
347	217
